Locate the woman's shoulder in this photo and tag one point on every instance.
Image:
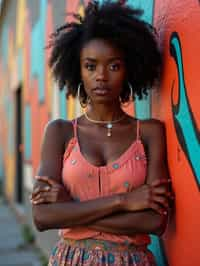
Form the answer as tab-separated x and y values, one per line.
58	124
151	128
60	128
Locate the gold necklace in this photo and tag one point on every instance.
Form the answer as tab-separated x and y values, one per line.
109	124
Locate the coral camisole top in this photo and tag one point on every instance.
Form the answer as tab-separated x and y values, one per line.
86	181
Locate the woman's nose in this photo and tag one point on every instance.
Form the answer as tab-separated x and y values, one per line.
102	74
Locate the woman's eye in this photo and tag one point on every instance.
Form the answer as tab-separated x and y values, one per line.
90	67
115	67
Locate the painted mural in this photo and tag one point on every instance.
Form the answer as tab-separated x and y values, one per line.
178	29
25	27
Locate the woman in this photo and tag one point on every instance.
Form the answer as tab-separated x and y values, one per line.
103	177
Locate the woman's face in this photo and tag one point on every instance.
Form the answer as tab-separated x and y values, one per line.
102	70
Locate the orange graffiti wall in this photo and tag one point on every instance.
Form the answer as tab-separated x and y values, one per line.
177	103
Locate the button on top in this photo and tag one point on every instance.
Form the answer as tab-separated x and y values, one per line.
73	161
115	165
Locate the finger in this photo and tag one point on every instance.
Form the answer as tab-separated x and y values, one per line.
162	200
47	179
35	197
40	189
36	190
47	196
43	195
162	190
159	182
38	196
43	200
55	190
40	183
158	208
170	195
39	201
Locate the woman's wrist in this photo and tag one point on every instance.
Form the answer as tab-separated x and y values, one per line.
126	204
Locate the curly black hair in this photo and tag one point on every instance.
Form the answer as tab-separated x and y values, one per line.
120	25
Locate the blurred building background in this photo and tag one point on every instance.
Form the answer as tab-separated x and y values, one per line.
29	98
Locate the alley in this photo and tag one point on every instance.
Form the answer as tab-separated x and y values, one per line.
13	249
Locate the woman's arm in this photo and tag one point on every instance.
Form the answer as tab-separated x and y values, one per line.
57	193
71	214
68	214
65	214
136	201
131	223
146	221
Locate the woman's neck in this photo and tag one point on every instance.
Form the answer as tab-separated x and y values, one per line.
104	112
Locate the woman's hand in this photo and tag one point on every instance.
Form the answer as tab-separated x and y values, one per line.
47	190
154	196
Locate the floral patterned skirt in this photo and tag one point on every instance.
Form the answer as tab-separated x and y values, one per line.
92	252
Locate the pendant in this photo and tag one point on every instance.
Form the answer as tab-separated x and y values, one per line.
109	127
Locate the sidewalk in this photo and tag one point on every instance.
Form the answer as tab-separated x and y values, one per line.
13	249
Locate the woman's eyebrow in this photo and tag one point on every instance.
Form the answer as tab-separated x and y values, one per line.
89	59
109	59
116	58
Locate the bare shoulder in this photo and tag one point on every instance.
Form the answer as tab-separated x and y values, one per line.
58	124
56	134
60	129
152	128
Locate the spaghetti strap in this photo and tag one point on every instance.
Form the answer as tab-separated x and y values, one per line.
138	129
74	123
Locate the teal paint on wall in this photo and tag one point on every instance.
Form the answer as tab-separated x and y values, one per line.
157	250
37	49
27	132
182	112
143	107
63	104
101	1
146	5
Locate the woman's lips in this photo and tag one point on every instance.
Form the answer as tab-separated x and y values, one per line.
101	91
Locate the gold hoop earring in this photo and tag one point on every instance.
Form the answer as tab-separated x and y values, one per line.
130	96
83	105
131	92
